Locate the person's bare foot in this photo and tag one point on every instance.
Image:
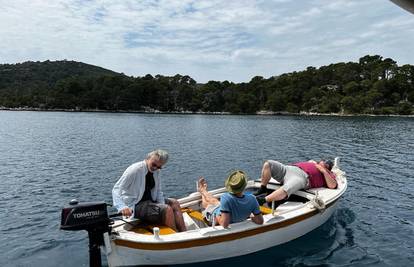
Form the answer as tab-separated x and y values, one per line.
202	184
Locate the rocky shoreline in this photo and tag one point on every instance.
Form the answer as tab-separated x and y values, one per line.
154	111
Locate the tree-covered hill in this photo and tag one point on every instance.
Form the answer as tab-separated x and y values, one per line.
373	85
48	72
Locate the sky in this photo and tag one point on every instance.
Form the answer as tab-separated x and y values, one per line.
219	40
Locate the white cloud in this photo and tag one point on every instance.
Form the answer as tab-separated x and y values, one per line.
394	23
343	42
208	40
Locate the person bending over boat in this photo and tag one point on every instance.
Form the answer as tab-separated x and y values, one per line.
138	193
294	177
234	206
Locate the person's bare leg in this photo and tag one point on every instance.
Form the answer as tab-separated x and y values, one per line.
266	174
276	195
264	179
169	218
206	197
178	215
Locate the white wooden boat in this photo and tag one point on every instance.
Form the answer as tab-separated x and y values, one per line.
137	244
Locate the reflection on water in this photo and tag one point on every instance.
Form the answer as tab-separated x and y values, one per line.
48	158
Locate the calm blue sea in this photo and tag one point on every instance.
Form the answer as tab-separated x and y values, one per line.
48	158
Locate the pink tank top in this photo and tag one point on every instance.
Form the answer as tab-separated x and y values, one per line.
316	178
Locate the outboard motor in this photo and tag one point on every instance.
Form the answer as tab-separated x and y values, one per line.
92	217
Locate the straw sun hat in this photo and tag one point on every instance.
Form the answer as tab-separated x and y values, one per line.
236	182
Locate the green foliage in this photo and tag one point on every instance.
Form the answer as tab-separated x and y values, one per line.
404	108
373	85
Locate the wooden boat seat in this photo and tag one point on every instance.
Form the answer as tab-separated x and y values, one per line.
265	210
197	216
139	230
147	229
164	230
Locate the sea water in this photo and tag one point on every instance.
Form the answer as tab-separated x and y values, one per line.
49	158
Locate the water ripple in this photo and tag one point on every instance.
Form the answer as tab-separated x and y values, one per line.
49	158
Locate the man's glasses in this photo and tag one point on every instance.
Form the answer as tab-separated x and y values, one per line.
154	165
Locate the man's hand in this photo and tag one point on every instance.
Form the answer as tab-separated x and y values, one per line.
328	176
321	168
126	212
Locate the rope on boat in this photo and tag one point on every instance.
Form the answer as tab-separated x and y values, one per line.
318	202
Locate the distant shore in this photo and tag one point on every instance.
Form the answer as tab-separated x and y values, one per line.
154	111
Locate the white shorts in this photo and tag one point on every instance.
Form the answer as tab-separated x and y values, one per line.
293	178
210	211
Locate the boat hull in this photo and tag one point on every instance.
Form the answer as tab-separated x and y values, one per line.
125	253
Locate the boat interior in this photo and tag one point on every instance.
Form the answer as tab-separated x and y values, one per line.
192	210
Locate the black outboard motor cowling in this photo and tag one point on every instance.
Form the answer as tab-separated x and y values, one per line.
92	217
84	216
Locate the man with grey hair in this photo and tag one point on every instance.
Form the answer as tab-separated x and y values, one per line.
138	193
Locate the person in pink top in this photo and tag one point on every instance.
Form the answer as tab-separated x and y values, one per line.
294	177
